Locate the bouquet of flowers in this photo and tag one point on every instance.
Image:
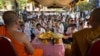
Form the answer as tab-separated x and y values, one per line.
46	35
50	36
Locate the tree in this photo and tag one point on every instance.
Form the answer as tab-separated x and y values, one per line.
2	4
87	6
22	3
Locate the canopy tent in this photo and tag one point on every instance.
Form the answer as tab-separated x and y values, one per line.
58	3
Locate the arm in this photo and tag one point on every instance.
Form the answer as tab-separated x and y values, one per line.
28	45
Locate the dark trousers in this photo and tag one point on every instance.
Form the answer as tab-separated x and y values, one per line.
67	41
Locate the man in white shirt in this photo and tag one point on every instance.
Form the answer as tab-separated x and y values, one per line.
39	29
71	30
60	27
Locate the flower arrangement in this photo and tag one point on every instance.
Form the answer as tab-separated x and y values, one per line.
50	36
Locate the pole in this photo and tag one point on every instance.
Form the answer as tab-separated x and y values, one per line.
16	7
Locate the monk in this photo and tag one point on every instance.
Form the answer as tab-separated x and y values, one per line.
22	45
83	39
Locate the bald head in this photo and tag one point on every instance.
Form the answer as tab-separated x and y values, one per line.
95	17
9	17
96	14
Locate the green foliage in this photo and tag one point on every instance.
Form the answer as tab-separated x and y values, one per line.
2	3
87	6
22	3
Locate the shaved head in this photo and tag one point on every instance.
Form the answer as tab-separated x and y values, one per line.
96	14
9	17
95	17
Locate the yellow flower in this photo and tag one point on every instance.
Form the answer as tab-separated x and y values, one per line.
50	35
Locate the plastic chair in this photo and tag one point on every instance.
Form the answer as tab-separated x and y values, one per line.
94	48
6	47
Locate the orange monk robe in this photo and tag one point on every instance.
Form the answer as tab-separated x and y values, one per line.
20	48
2	30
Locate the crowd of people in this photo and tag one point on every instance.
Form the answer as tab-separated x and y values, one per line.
55	23
78	32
